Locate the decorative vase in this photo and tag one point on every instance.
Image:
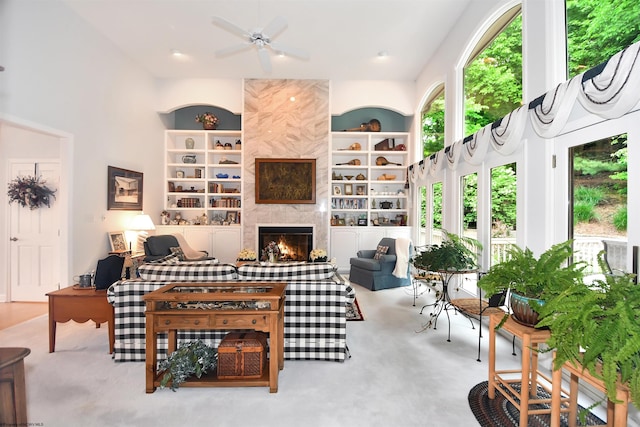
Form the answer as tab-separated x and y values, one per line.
523	313
209	126
189	143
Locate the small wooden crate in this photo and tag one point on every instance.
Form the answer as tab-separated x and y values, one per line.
242	355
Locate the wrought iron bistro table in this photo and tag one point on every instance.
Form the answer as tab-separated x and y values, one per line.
216	306
443	300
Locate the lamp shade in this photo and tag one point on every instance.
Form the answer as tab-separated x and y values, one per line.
142	222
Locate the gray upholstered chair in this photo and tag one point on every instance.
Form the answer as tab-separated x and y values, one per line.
376	274
156	247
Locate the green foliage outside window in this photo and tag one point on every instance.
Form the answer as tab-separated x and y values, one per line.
597	30
493	81
433	127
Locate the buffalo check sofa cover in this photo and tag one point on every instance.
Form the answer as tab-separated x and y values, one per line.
315	306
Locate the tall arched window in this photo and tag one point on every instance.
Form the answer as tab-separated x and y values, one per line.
433	123
493	73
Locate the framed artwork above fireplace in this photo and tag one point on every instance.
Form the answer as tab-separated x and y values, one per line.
286	181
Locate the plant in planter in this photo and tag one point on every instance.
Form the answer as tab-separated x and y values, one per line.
454	254
191	358
596	325
532	280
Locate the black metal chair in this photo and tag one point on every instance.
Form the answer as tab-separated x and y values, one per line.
108	271
478	307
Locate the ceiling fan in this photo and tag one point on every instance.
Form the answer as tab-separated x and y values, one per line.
261	38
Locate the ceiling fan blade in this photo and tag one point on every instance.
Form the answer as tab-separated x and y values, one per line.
234	49
275	27
289	51
263	55
232	28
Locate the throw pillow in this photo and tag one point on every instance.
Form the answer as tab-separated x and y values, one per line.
382	250
169	259
177	251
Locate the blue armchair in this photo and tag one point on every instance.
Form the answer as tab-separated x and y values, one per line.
376	274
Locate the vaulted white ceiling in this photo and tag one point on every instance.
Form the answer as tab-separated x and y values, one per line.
342	37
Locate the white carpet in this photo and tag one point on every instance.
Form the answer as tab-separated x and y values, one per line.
395	377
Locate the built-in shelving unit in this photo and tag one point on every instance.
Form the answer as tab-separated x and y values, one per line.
368	176
206	178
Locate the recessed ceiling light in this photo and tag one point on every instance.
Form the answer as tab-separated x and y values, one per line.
176	53
383	54
292	99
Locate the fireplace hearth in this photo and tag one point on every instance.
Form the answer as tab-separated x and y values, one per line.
295	242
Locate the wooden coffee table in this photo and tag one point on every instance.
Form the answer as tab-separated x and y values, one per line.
79	305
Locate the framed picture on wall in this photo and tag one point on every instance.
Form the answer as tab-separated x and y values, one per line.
285	181
124	189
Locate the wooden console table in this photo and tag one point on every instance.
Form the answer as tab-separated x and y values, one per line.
216	306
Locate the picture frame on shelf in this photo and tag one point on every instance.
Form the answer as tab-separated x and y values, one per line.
118	241
180	174
374	218
360	190
362	221
348	189
231	217
124	189
336	190
341	221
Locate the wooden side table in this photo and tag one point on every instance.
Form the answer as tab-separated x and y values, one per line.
616	411
529	375
79	305
13	396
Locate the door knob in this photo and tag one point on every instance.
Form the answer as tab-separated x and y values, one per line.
14	239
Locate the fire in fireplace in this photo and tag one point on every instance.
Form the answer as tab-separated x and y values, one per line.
295	243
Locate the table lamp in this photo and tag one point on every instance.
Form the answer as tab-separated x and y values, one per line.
141	224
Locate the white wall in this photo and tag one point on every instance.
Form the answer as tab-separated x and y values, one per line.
62	75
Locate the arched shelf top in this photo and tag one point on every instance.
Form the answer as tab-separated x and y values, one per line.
184	118
390	120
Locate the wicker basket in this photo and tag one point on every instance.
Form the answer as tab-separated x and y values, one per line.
242	355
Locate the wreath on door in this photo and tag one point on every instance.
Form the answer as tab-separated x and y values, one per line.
31	192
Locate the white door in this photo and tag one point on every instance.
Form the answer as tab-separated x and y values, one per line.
35	239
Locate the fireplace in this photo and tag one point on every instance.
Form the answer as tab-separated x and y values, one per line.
295	242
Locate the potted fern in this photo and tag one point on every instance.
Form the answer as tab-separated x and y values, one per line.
596	326
455	254
191	358
532	280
